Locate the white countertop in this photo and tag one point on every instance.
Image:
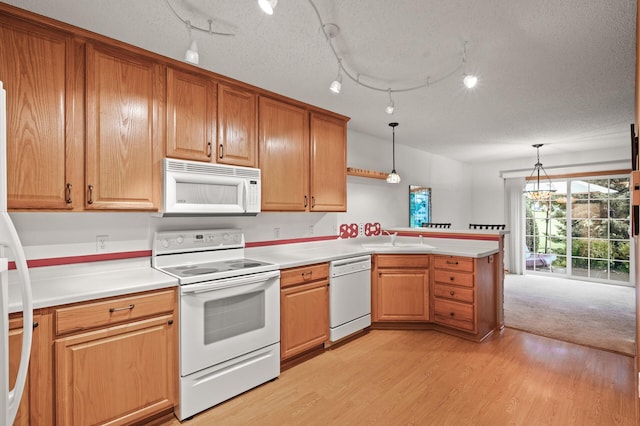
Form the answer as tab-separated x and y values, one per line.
59	285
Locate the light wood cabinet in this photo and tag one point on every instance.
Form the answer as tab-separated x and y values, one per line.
328	172
44	156
122	368
36	405
464	293
284	156
400	288
302	158
237	126
191	115
125	129
304	309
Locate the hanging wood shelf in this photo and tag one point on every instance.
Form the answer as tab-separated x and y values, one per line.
372	174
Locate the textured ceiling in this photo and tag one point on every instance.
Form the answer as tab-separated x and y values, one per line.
558	72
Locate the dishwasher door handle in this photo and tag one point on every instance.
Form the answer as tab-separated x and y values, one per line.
350	260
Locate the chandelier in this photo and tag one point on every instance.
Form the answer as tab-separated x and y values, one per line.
541	191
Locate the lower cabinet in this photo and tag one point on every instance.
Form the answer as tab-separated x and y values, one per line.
304	309
36	405
124	368
400	288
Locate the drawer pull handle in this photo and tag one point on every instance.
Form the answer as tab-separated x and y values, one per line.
126	308
451	262
452	293
306	275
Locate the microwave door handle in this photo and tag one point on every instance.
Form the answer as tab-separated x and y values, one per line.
229	283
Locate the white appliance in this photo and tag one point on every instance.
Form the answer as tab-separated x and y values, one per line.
9	239
229	315
197	188
349	296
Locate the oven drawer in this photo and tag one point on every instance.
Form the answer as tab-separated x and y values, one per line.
113	311
304	274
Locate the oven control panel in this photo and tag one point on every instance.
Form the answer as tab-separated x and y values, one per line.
197	240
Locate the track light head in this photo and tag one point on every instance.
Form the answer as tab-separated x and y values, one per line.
470	81
336	85
267	6
191	55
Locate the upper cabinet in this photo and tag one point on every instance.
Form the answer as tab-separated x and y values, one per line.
237	126
302	159
124	92
328	168
284	156
191	115
43	158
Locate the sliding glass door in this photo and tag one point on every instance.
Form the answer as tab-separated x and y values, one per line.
581	230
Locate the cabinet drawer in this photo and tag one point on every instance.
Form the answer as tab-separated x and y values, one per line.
113	311
402	260
455	314
454	263
455	293
450	277
304	274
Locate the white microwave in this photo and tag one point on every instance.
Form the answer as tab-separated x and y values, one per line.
196	188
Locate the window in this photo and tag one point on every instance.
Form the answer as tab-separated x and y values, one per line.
581	230
419	205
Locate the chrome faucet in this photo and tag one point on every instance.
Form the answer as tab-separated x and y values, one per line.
393	236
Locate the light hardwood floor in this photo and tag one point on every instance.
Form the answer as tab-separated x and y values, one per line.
429	378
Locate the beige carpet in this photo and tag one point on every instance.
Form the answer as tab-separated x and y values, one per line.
591	314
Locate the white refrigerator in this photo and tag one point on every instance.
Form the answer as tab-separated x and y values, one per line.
10	243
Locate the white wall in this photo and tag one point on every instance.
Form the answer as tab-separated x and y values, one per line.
50	235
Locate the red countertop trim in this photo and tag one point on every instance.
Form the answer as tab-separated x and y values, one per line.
55	261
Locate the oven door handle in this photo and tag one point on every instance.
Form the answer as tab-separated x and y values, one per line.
229	283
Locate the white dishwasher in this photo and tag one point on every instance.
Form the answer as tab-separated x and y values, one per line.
349	296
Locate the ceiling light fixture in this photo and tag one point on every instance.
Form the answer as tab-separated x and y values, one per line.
267	6
393	177
539	191
469	80
191	55
336	85
390	106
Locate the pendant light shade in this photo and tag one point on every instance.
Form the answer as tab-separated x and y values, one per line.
393	177
541	191
192	55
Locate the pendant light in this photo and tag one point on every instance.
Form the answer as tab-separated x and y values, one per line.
393	177
539	192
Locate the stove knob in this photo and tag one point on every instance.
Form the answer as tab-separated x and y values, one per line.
165	243
180	239
225	237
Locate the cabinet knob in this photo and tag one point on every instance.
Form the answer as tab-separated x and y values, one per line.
170	322
452	293
35	324
452	278
452	314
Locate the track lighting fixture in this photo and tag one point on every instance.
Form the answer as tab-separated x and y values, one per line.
469	80
336	85
191	55
390	106
393	177
267	6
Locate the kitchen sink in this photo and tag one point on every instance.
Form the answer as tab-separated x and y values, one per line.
398	247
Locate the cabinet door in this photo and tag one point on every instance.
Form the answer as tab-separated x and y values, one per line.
304	318
124	130
15	349
118	375
44	160
284	156
237	127
328	164
402	295
191	115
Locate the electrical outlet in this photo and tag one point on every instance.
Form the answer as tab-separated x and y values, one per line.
361	229
276	233
101	243
310	229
